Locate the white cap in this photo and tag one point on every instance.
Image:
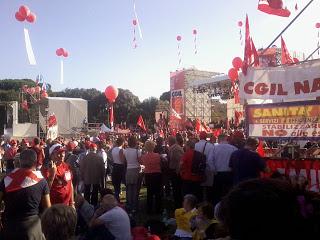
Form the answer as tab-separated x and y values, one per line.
53	147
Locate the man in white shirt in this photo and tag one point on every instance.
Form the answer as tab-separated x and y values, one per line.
114	218
206	147
102	153
220	158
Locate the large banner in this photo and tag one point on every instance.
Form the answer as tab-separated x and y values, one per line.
177	100
299	120
293	82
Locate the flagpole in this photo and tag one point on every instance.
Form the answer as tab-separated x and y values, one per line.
311	54
292	21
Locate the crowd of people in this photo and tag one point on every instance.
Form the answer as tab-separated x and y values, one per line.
203	188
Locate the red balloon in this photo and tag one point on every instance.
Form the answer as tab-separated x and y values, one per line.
24	11
24	105
38	89
240	24
19	17
237	63
179	38
233	74
317	25
31	18
111	93
59	52
195	32
44	94
65	53
134	22
296	60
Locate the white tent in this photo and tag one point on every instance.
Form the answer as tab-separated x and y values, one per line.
70	112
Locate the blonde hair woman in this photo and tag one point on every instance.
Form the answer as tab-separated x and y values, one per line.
153	177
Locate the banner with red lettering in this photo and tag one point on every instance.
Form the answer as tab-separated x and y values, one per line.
287	82
296	120
177	100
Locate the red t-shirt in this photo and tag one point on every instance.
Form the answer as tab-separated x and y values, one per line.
151	161
40	155
61	190
186	165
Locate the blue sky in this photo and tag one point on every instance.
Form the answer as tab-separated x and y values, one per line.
98	35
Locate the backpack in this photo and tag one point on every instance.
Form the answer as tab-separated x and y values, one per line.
199	162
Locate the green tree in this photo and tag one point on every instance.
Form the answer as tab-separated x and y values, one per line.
165	96
126	107
148	107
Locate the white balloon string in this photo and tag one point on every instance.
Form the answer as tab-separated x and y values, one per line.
61	71
179	56
136	17
195	44
31	57
135	45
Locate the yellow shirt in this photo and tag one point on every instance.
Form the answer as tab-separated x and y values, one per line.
183	219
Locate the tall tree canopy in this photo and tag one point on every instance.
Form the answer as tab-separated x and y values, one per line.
127	107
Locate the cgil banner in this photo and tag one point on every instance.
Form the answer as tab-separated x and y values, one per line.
299	120
290	82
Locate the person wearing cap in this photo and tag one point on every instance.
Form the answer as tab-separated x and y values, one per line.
9	155
92	174
205	147
59	177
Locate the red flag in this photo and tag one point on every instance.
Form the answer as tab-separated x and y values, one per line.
273	7
255	54
140	123
237	116
111	116
285	55
52	121
247	49
260	149
199	127
250	52
217	132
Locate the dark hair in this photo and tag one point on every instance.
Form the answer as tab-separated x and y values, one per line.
207	210
132	142
222	137
59	222
265	209
159	141
28	158
36	141
179	139
252	142
105	191
191	143
119	141
172	140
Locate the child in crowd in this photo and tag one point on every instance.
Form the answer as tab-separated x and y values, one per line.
204	223
183	217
